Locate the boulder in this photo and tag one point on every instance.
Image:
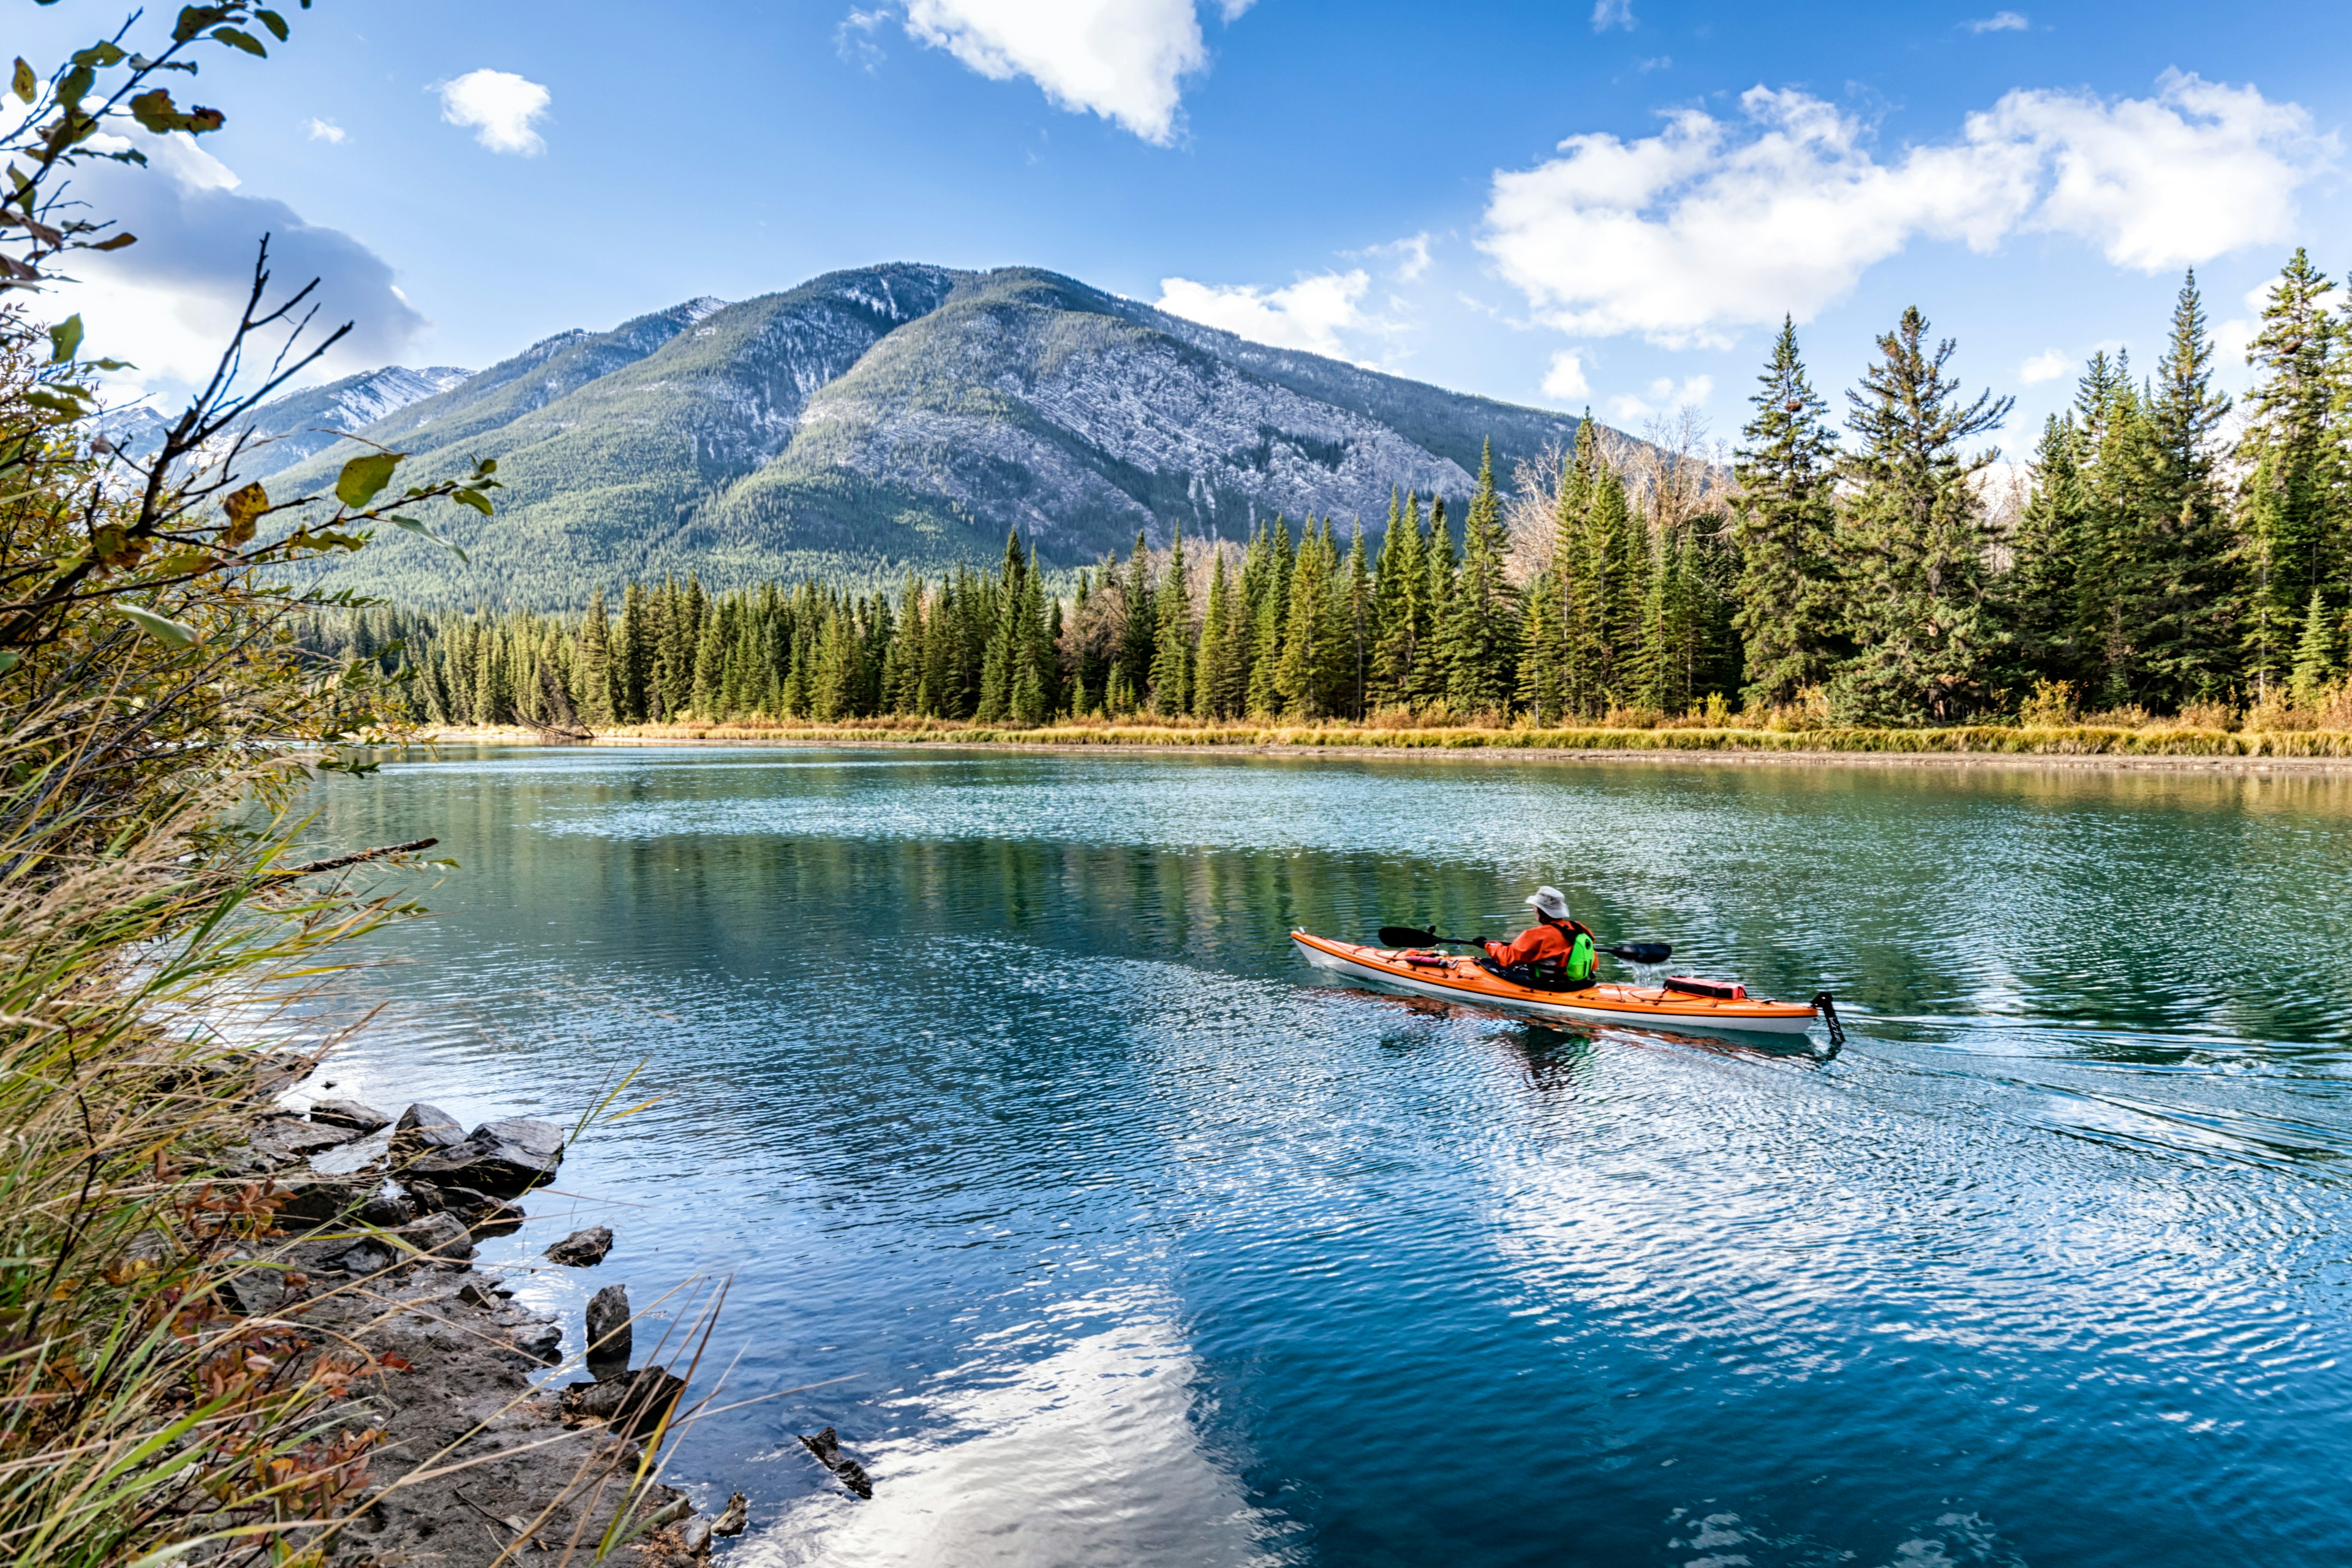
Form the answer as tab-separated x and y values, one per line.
438	1236
582	1248
504	1159
308	1200
387	1210
541	1342
351	1113
423	1128
280	1140
482	1214
733	1517
608	1329
367	1257
632	1405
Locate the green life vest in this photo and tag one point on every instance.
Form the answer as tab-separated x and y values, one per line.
1579	956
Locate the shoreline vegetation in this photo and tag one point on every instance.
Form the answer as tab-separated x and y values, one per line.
1698	743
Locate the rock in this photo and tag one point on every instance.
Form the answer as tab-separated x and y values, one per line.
351	1113
278	1140
387	1210
541	1342
694	1537
632	1403
255	1290
482	1214
473	1295
733	1517
365	1258
582	1248
423	1128
826	1446
608	1327
501	1157
306	1201
439	1236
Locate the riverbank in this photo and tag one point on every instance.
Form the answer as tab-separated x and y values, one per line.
2152	748
479	1456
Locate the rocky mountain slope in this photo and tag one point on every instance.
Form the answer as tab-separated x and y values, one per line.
901	415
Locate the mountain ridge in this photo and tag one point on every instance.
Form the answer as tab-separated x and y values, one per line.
873	420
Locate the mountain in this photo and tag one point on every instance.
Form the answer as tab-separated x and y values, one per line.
899	416
302	423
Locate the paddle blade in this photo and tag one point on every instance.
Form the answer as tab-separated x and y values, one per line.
1405	936
1642	952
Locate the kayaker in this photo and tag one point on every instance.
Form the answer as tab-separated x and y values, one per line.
1555	953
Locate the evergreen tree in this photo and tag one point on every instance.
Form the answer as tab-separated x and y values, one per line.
595	663
1917	539
709	666
1273	612
1220	670
1171	650
2290	527
2042	593
1542	691
1787	597
1140	636
1430	666
1482	614
1399	609
2314	653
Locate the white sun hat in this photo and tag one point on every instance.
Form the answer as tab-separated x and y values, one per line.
1550	901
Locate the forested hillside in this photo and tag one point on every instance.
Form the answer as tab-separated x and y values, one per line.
1856	576
894	417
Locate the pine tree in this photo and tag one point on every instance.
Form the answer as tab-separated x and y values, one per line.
1918	538
710	666
1399	605
1482	615
1218	670
1273	614
595	662
1139	636
2041	593
2314	653
2178	579
1437	567
2290	529
1171	650
1311	670
1787	596
1540	690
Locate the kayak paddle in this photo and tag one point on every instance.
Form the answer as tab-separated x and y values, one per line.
1630	952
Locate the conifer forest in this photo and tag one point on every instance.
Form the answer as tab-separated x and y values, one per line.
2161	553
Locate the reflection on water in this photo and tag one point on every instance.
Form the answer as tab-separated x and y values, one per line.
994	1083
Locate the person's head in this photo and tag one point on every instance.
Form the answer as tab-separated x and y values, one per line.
1550	904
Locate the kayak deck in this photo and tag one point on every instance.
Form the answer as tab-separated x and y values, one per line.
1431	973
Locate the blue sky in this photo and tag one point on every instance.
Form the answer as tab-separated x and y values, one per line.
1557	204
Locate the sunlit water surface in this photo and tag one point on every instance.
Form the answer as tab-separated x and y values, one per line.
1113	1235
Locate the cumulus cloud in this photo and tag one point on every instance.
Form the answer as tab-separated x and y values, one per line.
1608	14
1310	314
1125	61
1998	22
170	301
1713	224
1565	379
853	39
500	107
323	130
2047	366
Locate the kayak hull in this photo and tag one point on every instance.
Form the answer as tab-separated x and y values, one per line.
1461	980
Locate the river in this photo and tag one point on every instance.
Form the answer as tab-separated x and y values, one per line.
1107	1233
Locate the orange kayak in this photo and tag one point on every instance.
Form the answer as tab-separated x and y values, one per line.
1428	973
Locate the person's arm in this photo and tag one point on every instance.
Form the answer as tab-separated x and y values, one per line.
1531	943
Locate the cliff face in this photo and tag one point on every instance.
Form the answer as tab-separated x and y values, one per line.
902	416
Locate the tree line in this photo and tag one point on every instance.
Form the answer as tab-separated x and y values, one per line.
1865	576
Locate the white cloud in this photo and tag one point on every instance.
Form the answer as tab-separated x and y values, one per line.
1608	14
2047	366
500	107
1712	224
1310	314
1123	59
170	301
1998	22
1661	395
1411	254
853	39
323	130
1565	382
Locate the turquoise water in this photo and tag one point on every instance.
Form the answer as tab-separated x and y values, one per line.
1114	1234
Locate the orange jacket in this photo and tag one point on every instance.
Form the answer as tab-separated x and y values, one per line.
1545	941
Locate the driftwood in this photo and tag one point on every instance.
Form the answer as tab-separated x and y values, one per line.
337	862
